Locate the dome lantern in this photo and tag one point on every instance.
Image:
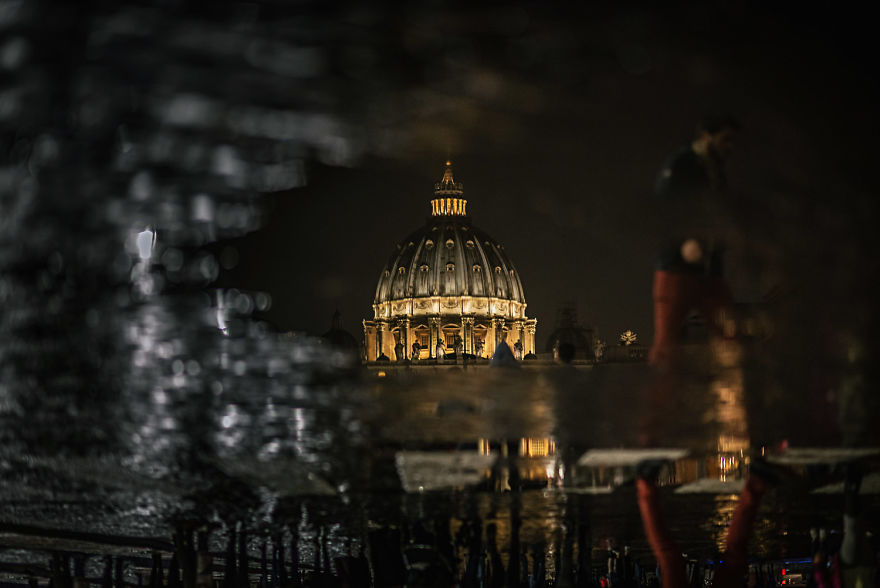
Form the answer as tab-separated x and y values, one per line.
448	194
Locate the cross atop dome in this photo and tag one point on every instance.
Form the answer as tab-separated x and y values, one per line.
447	195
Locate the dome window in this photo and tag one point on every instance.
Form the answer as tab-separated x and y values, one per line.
401	270
477	268
450	243
470	244
387	273
424	267
429	244
450	267
512	273
497	269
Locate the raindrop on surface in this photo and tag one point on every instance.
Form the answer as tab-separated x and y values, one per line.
193	368
13	53
244	304
45	149
263	301
208	267
172	259
202	208
142	186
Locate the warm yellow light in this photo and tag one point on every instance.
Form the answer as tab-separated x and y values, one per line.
483	447
381	374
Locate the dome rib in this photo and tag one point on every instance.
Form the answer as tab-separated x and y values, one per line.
464	281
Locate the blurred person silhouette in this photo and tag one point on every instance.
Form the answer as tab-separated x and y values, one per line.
688	269
732	570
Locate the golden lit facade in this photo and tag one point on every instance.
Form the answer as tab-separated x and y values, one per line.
448	288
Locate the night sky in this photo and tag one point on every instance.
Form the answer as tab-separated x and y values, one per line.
557	120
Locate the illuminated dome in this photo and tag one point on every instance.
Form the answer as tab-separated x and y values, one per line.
448	282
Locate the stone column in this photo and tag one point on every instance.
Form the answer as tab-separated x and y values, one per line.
403	329
498	323
531	327
435	334
370	341
489	342
467	333
381	328
510	338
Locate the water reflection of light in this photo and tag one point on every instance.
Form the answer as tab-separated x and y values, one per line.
529	447
724	508
728	387
483	447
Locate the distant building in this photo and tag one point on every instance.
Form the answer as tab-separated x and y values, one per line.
449	288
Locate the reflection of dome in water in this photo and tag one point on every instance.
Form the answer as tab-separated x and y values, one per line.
448	282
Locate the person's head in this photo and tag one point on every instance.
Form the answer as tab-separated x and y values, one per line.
717	134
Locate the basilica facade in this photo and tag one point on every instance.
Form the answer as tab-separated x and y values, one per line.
448	289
